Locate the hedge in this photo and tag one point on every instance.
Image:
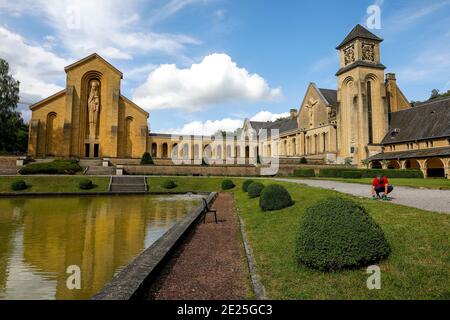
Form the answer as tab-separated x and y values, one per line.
227	184
303	160
275	197
169	184
255	189
18	185
337	233
54	167
246	184
304	173
86	184
351	174
371	173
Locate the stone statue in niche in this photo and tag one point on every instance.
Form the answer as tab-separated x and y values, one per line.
349	54
93	107
311	103
368	52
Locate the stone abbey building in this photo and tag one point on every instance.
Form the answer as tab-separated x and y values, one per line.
367	117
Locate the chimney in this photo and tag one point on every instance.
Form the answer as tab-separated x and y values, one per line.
391	88
293	113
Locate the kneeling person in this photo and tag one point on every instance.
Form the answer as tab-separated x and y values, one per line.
381	185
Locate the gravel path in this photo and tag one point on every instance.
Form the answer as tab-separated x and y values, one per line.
426	199
210	264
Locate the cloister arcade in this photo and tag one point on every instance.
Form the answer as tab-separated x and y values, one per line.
431	167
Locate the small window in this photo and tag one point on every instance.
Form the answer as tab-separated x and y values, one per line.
394	133
87	148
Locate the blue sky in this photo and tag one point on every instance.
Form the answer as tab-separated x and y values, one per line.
202	65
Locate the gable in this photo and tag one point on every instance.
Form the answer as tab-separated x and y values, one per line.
314	107
90	59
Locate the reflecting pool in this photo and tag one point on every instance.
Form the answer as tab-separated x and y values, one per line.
41	237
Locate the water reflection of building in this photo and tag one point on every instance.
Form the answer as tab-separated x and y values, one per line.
107	235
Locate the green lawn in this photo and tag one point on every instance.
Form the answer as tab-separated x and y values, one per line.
418	268
443	184
54	183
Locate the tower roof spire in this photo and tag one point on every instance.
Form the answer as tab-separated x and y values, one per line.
359	32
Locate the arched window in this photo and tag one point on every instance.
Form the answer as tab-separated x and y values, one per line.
219	152
154	149
165	149
51	139
369	111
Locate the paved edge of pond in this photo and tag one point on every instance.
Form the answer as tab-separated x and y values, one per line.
106	193
424	199
131	282
210	264
258	287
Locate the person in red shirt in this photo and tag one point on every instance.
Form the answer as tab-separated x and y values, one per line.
381	185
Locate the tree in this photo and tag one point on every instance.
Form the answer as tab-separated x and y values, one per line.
13	131
434	94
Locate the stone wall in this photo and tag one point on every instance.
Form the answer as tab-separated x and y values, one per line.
186	170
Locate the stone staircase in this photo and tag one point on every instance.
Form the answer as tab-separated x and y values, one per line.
100	171
128	184
96	168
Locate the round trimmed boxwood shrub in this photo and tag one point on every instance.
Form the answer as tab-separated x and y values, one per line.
275	197
337	233
86	184
227	184
18	185
303	160
169	184
246	184
255	189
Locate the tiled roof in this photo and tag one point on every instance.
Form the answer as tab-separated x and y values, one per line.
360	63
429	120
256	125
284	125
331	96
421	153
358	32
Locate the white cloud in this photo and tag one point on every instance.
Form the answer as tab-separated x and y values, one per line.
217	79
210	127
265	116
112	28
173	6
38	70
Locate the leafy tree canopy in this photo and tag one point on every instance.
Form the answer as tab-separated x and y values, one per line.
13	131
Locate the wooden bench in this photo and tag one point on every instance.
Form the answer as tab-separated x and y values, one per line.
207	210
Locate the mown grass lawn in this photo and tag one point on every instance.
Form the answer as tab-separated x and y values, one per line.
443	184
54	183
418	267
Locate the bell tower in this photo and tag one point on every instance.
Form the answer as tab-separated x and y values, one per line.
362	113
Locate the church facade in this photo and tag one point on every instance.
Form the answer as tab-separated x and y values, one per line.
366	120
90	118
